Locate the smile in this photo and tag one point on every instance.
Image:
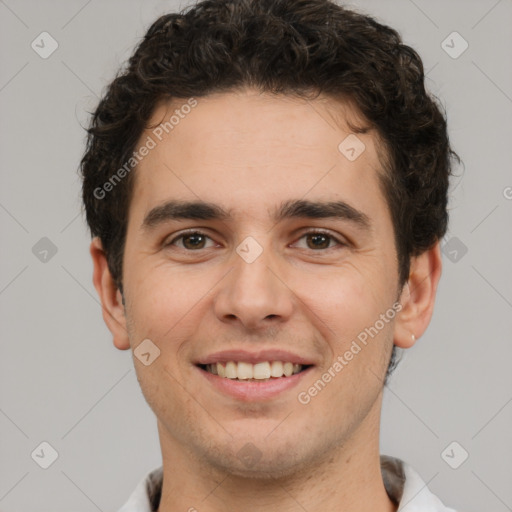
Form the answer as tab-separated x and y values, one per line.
262	371
261	381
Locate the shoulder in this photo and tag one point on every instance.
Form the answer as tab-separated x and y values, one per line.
404	485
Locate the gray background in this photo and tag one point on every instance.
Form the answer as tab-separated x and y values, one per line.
63	382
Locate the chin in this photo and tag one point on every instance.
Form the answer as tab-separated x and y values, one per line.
265	469
271	462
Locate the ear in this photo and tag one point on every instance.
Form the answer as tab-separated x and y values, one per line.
418	297
110	296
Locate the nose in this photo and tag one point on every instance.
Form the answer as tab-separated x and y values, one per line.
254	294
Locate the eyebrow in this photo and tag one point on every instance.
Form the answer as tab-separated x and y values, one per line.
200	210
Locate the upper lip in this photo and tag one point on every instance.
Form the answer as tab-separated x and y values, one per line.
254	357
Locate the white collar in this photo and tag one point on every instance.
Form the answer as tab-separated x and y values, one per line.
402	484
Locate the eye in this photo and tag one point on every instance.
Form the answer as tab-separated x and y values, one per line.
318	240
192	240
196	240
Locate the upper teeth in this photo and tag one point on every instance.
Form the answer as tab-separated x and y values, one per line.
260	371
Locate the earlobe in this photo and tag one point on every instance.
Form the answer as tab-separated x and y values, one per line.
110	296
418	297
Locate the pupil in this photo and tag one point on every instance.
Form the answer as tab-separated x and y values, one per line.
192	237
324	237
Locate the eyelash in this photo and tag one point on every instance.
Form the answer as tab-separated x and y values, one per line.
312	232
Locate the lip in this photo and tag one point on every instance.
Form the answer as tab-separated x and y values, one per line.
255	390
255	357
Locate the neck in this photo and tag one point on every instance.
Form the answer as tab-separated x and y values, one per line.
346	478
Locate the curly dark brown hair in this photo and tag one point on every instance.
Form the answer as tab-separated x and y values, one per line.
295	47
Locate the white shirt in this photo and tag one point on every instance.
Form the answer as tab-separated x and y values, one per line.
402	483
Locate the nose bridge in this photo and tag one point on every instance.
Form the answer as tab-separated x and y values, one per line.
252	292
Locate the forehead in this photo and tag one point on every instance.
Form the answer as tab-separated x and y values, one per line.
245	147
247	111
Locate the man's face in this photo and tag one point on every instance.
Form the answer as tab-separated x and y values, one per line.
259	287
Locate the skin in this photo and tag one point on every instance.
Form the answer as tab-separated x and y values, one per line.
248	152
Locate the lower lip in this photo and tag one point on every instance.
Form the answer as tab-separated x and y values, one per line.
254	390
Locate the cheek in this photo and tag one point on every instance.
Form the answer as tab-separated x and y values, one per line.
344	302
166	301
